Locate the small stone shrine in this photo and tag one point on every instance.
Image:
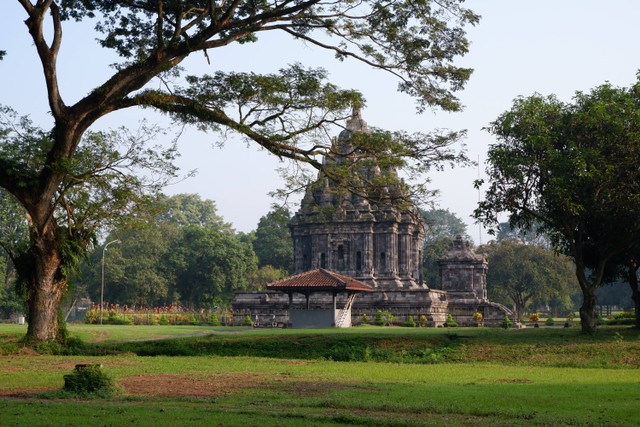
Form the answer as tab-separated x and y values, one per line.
376	244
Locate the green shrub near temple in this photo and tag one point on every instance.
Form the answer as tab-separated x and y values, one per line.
379	320
450	323
506	323
213	320
410	323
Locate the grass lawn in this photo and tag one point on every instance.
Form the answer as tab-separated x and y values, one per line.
477	377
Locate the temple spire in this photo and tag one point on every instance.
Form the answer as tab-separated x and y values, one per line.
355	123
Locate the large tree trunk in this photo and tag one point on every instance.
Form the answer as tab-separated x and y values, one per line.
44	301
635	292
588	317
635	295
45	285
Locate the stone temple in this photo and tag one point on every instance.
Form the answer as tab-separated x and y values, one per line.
367	238
352	235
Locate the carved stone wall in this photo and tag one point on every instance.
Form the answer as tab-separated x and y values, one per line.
463	273
352	235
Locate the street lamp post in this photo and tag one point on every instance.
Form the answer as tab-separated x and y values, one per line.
102	285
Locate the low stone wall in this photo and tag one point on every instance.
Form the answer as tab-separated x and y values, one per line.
271	308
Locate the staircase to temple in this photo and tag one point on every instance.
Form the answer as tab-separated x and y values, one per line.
345	313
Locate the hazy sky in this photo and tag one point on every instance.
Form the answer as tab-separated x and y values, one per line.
519	47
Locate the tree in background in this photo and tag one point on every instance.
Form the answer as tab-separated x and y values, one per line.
188	209
209	264
10	301
623	268
572	168
180	251
522	275
441	229
285	113
273	243
442	223
265	275
13	240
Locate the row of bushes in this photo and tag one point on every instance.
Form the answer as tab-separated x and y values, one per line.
623	318
119	317
386	318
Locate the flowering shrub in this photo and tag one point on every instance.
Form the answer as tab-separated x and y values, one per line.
534	317
423	320
477	316
114	314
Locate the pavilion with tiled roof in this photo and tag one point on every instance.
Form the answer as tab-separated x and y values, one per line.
320	281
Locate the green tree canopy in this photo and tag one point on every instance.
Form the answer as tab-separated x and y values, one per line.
442	223
189	209
441	228
273	243
175	254
209	265
522	275
573	169
286	113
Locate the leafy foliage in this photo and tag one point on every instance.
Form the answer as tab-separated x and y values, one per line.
506	323
450	323
180	251
211	265
107	179
273	244
410	323
412	40
441	228
525	275
573	170
507	231
265	275
13	242
247	321
89	380
441	224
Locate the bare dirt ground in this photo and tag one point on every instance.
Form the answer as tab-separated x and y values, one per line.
176	385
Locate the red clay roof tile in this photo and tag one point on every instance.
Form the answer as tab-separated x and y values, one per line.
320	280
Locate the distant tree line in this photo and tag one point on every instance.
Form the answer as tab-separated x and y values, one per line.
181	251
184	253
178	250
